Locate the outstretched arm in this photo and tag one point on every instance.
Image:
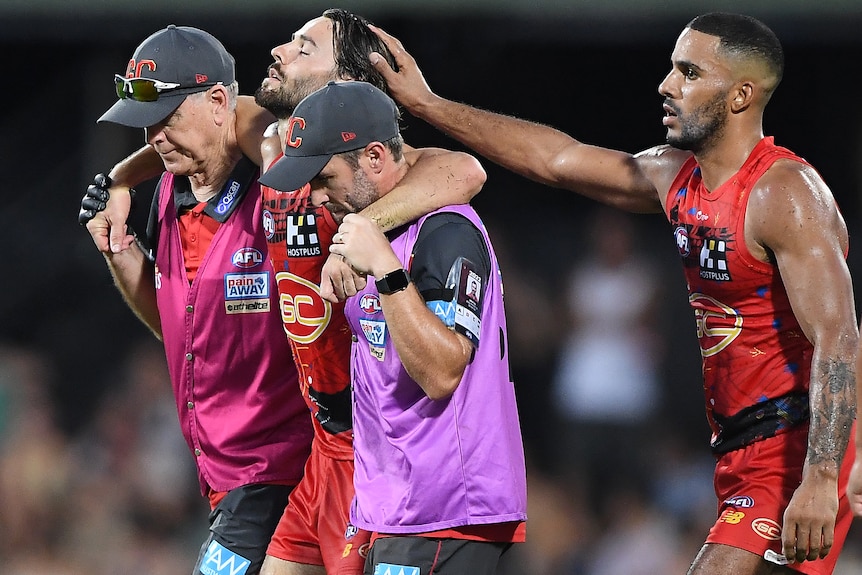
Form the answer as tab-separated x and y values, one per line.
532	150
792	215
437	178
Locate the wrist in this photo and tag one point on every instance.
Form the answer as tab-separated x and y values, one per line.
393	282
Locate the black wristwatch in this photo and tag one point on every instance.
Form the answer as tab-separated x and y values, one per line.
393	282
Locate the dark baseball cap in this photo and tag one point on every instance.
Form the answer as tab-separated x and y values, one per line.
186	59
340	117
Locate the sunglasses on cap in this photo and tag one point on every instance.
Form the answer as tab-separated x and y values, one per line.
141	89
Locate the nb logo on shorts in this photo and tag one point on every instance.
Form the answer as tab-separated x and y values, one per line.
731	516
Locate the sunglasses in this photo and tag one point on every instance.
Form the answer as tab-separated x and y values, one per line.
141	89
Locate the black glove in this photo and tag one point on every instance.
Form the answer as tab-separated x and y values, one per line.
96	198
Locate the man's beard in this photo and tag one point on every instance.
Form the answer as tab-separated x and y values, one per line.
282	102
702	126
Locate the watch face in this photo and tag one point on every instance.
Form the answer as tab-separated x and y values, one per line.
393	282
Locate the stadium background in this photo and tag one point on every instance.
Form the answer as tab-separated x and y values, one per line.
590	69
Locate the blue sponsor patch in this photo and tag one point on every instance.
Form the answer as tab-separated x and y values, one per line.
389	569
246	286
445	310
228	196
219	560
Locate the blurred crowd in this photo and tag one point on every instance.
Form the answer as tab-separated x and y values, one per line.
607	371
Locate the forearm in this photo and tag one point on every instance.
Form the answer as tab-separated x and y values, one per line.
251	123
139	166
524	147
437	178
133	276
833	407
433	355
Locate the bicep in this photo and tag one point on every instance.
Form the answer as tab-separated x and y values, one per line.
795	220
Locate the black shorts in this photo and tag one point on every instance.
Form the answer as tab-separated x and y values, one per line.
241	526
412	555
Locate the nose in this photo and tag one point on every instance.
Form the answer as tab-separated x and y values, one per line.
282	53
665	86
154	134
318	196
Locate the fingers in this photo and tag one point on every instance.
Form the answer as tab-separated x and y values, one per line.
393	43
103	181
379	62
94	200
327	292
801	544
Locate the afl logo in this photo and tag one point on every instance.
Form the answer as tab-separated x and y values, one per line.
370	304
246	258
740	501
683	244
268	224
767	528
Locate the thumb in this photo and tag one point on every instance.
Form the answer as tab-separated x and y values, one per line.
118	238
380	64
117	214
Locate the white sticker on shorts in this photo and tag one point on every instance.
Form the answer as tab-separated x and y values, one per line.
219	560
389	569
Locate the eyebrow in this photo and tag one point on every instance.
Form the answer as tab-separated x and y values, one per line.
305	38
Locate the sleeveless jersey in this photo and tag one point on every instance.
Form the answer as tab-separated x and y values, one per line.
756	359
421	464
234	383
299	236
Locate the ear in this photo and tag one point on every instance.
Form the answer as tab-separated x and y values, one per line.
217	97
742	97
376	155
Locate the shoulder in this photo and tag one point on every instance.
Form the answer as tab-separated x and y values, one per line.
791	202
661	164
788	183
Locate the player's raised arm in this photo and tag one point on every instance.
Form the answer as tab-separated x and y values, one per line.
532	150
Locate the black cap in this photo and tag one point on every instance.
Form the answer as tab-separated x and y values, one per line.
182	55
340	117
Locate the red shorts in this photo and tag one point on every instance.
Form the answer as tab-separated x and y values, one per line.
315	527
754	486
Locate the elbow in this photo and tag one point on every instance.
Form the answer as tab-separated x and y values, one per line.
441	388
474	177
439	383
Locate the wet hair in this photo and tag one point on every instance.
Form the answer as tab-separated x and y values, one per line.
352	41
744	36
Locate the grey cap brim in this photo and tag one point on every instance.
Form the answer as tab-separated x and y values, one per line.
292	172
134	114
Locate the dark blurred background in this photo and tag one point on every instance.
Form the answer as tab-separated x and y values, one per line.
84	404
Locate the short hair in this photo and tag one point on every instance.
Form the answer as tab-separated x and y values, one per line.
744	36
352	41
232	90
395	146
